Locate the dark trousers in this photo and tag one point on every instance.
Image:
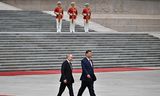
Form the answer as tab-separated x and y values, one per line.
90	85
62	88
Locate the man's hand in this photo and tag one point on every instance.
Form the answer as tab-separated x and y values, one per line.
65	81
84	14
88	76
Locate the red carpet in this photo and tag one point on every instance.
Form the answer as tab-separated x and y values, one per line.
5	95
43	72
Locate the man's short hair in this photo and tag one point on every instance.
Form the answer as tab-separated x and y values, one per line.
88	51
68	55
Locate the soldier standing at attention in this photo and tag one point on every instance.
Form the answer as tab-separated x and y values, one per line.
86	16
72	12
59	15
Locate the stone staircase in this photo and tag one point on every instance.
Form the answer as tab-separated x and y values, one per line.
47	50
31	21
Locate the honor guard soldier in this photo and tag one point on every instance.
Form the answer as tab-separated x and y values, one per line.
86	16
59	15
72	12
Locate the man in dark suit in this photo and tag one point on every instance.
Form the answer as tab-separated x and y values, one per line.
88	77
66	76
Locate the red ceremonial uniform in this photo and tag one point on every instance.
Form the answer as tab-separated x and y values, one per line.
72	13
59	12
86	13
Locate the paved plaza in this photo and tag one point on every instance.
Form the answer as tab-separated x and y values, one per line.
129	83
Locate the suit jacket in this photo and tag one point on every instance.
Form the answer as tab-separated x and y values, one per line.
66	72
87	69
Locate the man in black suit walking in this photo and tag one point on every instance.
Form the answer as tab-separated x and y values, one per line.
88	77
66	76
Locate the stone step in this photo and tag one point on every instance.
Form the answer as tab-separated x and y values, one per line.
43	49
52	68
106	54
31	21
95	33
43	67
129	47
57	66
4	60
83	38
17	62
35	45
66	50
